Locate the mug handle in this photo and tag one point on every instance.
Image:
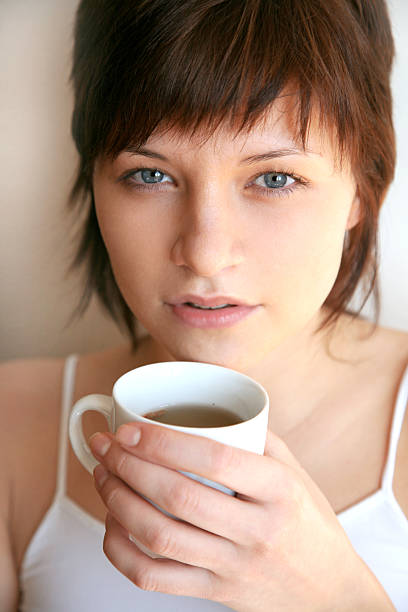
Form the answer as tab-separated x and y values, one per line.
98	403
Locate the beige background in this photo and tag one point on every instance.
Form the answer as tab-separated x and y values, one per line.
37	162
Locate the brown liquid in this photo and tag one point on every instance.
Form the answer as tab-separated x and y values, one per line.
194	415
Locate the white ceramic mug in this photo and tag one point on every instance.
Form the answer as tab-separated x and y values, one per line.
160	385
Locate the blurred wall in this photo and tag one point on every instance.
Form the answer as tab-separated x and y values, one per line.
37	162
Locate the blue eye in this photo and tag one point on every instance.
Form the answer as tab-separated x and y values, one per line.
274	180
151	175
146	179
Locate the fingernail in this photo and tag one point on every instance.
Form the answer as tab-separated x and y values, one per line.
100	444
100	475
128	434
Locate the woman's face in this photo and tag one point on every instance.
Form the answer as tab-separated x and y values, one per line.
250	219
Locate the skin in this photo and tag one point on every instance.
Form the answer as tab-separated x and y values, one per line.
210	229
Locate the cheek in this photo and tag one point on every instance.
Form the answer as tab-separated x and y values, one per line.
135	244
303	253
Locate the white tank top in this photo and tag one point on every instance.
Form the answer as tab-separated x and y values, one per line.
65	570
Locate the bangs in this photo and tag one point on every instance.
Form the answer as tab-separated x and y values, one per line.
212	62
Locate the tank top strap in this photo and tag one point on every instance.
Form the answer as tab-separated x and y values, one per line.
396	426
67	396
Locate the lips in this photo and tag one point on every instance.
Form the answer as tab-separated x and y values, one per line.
209	312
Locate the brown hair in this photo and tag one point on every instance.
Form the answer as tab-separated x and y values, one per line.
142	64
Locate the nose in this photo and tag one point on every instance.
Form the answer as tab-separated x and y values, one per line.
208	239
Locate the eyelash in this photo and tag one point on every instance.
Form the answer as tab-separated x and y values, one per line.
264	191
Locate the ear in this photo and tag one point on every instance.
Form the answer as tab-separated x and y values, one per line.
356	213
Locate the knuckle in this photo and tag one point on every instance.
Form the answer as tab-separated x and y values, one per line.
111	496
143	578
259	528
267	544
159	443
122	466
284	485
291	497
159	541
183	497
275	525
223	459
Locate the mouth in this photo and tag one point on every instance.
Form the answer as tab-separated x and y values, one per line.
210	312
215	301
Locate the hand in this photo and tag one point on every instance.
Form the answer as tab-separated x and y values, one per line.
277	545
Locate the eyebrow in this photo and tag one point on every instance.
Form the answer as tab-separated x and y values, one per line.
252	159
146	152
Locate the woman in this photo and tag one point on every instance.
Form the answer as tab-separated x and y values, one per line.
234	157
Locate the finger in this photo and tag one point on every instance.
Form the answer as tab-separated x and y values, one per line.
193	502
163	535
252	475
162	575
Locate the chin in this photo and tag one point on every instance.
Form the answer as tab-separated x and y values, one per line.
234	353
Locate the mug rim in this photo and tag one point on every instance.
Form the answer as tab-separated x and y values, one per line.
193	365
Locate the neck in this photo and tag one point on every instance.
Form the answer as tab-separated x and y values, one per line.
301	375
304	376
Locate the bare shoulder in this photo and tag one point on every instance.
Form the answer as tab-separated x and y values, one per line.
394	341
30	408
28	379
378	351
400	485
393	347
30	394
392	355
31	388
389	338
